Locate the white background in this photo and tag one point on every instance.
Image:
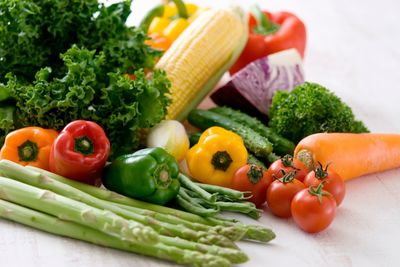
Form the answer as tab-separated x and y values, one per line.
353	49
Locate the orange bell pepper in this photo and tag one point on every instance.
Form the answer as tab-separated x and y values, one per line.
29	146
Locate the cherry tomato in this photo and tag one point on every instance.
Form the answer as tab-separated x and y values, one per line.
333	183
252	178
313	209
287	163
280	194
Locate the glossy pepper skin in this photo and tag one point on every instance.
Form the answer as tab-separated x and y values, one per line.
216	157
29	146
279	31
80	151
164	23
149	174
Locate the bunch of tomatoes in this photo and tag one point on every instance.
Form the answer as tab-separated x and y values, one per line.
290	190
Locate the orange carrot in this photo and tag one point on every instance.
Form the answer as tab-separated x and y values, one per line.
351	154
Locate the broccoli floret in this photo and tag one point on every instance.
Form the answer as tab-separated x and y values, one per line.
311	108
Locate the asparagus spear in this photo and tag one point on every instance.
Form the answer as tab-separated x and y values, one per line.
231	232
20	173
72	210
56	226
253	232
233	255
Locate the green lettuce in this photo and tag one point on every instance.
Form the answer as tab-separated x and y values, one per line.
66	60
122	106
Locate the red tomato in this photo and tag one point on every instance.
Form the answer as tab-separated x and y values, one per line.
288	164
280	194
253	179
333	183
312	210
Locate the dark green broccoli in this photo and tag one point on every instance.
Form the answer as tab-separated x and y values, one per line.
311	108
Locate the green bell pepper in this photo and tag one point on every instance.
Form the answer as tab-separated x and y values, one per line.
149	174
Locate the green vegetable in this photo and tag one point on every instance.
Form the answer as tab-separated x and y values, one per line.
191	205
194	138
225	227
231	232
223	193
68	60
188	183
72	210
164	228
253	141
208	200
172	252
6	120
281	145
149	174
311	108
35	32
254	160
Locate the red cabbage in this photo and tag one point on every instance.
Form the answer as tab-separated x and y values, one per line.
252	88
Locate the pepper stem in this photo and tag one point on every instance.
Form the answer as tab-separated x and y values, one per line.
221	160
264	25
84	145
181	7
156	11
28	151
254	174
162	177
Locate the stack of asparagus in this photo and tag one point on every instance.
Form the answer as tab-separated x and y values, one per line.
52	203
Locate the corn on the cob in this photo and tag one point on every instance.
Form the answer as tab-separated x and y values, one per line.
200	56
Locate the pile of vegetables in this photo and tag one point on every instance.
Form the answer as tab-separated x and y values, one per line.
62	61
78	88
52	203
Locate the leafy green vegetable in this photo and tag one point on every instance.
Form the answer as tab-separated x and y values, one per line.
67	60
121	105
33	33
311	108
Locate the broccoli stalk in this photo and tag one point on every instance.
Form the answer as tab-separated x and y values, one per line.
311	108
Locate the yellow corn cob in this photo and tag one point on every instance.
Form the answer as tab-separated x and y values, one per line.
201	55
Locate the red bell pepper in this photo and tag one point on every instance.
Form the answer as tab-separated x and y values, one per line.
80	152
271	33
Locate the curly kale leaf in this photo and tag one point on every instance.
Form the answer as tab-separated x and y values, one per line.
33	33
87	91
311	108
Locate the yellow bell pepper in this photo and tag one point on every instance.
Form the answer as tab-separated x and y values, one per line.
164	23
175	28
216	157
157	25
171	10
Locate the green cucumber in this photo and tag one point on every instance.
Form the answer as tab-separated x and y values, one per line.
254	142
282	146
254	160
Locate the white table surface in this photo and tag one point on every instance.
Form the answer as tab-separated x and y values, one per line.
353	49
